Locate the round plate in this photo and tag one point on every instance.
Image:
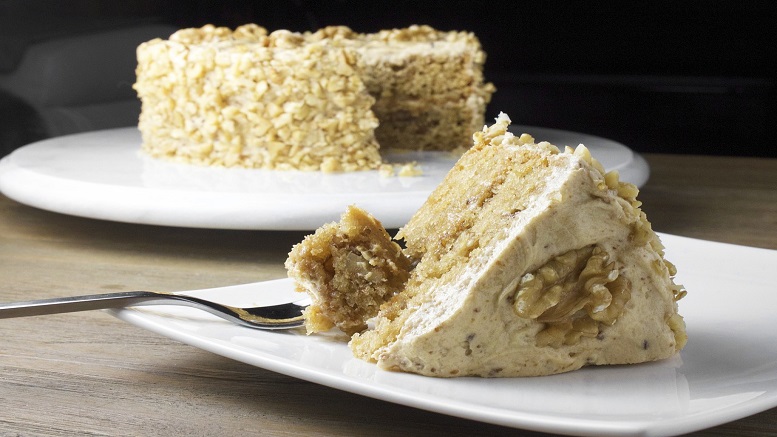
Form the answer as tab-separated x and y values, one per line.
103	175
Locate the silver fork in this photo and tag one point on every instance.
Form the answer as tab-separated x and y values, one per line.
283	316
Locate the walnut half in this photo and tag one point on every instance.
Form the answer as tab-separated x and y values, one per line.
572	294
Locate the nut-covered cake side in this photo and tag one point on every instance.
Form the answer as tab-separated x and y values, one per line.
212	96
527	261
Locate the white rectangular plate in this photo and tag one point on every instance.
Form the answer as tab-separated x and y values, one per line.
727	371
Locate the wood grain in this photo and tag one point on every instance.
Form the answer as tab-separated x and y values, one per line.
91	374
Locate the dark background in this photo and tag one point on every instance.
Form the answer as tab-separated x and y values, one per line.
674	77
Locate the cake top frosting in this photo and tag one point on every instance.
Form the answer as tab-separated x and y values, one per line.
399	39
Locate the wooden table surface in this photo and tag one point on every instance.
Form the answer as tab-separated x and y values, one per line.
89	373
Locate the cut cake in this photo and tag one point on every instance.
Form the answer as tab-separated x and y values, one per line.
326	100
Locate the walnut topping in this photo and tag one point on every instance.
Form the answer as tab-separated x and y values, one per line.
572	294
677	325
213	96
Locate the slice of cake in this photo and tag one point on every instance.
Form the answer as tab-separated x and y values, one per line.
528	261
531	261
324	101
349	269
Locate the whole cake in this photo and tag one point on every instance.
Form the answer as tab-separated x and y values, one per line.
527	261
326	100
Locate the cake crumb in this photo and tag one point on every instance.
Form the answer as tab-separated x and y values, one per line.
408	169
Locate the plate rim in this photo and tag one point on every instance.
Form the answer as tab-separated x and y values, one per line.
272	211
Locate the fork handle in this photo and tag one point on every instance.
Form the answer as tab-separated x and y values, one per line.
79	303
